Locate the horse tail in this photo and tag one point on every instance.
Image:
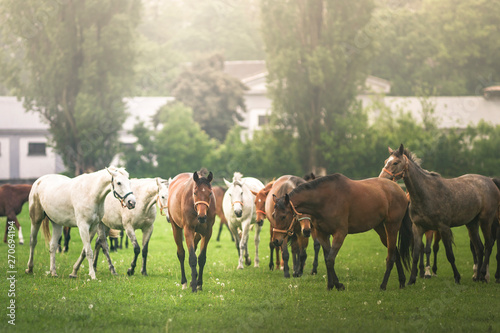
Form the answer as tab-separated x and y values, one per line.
46	229
405	241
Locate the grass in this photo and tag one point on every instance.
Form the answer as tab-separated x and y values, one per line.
249	300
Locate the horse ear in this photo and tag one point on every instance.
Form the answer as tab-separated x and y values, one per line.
112	172
275	198
210	177
158	182
254	193
390	150
196	177
287	199
401	149
228	184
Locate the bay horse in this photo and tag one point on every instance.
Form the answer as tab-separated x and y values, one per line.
191	207
425	254
12	199
239	209
219	196
339	206
439	204
74	202
149	194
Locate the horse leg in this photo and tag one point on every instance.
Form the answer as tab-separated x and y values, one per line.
489	241
286	256
83	254
477	247
435	249
257	242
417	245
244	243
303	243
67	237
137	249
202	259
37	217
421	263
447	236
295	256
232	238
56	234
193	260
86	234
428	242
146	236
496	230
333	280
317	246
392	238
181	253
101	242
220	230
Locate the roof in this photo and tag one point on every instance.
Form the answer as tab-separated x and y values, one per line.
245	69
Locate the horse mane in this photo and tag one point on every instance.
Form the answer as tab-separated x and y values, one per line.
237	178
293	182
119	170
313	184
413	157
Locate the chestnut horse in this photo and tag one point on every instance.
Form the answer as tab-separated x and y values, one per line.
12	199
339	206
440	204
219	196
191	208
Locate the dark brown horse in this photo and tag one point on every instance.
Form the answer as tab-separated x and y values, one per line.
219	196
440	204
339	206
191	206
12	199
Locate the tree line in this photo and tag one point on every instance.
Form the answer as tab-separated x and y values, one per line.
73	62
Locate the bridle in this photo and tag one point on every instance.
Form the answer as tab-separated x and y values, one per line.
261	211
118	196
235	202
289	232
160	206
401	173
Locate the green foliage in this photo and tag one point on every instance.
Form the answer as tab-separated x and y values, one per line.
446	45
215	97
76	68
317	53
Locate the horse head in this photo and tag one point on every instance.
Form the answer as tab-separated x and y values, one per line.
120	184
202	195
162	198
260	204
236	194
284	217
396	165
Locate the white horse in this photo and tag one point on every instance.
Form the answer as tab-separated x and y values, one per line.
149	193
74	202
239	209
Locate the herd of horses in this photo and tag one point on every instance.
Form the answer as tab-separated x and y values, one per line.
326	209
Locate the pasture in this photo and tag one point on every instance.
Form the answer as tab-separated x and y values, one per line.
248	300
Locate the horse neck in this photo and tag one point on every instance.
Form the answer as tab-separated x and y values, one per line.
417	181
101	181
305	199
148	194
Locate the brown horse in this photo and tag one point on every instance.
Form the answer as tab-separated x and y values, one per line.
440	204
191	207
12	199
339	206
219	196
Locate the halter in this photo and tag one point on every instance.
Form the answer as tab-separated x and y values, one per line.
289	231
240	202
261	211
201	202
401	173
160	205
118	196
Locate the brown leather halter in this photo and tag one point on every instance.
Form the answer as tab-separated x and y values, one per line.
160	205
289	231
401	173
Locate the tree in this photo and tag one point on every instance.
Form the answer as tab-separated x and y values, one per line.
215	97
317	53
77	65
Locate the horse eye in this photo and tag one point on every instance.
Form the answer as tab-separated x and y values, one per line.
396	163
162	197
118	183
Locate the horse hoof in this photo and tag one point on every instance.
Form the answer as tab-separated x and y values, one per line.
256	265
130	272
271	267
21	242
314	272
28	271
402	286
54	275
248	262
239	267
184	286
144	273
427	276
73	276
341	287
497	280
200	287
383	288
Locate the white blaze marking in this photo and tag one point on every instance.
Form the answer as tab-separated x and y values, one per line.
389	160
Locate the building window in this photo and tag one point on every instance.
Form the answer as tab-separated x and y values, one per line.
263	120
36	149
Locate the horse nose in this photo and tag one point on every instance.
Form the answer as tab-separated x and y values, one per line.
260	223
238	212
131	203
306	232
202	219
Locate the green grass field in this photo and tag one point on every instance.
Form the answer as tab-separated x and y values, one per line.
249	300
